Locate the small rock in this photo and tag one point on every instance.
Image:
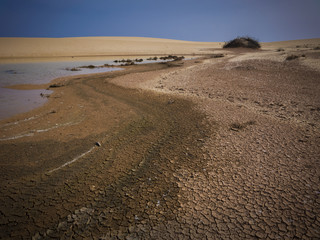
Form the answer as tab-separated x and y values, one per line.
98	144
44	95
49	232
70	219
36	236
131	229
62	225
56	85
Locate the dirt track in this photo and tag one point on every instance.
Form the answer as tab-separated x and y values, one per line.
239	161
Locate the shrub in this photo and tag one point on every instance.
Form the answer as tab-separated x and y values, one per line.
292	57
245	42
236	126
280	50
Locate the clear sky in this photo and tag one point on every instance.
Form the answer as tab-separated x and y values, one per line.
194	20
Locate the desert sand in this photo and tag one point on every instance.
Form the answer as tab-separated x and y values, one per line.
210	148
44	49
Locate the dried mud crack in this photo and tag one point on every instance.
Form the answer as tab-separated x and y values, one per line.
121	189
128	155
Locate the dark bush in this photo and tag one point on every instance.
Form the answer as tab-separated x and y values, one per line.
292	57
244	42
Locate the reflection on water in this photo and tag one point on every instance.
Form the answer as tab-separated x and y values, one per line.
18	101
40	73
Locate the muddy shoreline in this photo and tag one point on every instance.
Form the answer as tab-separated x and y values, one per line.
144	138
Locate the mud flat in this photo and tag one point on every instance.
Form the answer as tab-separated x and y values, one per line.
216	148
123	147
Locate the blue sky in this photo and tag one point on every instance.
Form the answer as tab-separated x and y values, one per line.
194	20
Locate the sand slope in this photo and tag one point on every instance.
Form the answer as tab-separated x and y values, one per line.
301	43
97	46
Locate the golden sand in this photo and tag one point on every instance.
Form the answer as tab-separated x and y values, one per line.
23	49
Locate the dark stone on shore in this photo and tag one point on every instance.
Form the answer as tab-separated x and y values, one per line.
44	95
89	66
73	69
55	85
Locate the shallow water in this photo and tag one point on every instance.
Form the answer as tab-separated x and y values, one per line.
18	101
40	73
13	101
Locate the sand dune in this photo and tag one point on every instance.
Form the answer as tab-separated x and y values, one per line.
302	43
30	49
98	46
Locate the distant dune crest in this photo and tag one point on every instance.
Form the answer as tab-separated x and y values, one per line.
96	46
20	49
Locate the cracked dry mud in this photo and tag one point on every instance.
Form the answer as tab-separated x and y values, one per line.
212	149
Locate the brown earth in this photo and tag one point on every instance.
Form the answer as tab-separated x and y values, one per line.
215	148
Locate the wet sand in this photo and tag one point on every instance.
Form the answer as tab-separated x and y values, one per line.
216	148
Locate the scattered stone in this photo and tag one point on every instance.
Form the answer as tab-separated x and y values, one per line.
89	66
56	85
98	144
44	95
36	236
73	69
62	225
49	232
220	55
